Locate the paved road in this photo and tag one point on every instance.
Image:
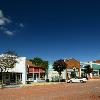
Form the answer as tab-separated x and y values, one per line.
61	91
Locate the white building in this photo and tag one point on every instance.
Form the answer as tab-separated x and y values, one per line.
53	75
16	75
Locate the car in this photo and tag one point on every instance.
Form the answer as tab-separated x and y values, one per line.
77	79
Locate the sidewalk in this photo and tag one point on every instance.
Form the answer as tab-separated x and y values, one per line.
39	84
10	86
32	84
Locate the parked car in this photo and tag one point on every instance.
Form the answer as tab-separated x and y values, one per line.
77	79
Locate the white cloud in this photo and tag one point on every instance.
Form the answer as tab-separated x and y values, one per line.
21	25
8	33
3	20
6	23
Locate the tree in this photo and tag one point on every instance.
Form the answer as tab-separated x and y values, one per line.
7	61
87	70
45	67
37	61
59	66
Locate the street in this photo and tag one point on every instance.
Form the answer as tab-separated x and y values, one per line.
60	91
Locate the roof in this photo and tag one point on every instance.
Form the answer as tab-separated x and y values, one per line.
97	61
72	59
29	63
72	63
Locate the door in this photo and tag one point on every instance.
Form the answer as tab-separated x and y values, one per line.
36	76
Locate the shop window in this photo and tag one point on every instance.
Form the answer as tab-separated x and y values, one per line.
95	73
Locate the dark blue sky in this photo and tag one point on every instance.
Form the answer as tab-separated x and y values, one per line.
51	29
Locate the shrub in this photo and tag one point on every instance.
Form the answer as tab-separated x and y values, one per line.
47	80
63	80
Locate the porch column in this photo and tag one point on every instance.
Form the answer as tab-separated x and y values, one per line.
98	73
39	74
20	77
79	72
66	74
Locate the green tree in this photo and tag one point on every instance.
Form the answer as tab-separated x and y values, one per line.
45	67
87	70
7	61
37	61
59	66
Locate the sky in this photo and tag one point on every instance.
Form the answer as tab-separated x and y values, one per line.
51	29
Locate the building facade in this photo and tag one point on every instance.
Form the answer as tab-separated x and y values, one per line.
53	75
96	68
72	68
16	75
34	73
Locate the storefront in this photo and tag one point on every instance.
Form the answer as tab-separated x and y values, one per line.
16	75
34	73
11	78
96	70
72	68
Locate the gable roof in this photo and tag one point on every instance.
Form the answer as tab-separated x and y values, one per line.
97	61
